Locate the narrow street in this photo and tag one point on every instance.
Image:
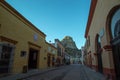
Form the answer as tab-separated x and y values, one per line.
71	72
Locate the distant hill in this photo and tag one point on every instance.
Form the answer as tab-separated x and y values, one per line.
68	42
70	46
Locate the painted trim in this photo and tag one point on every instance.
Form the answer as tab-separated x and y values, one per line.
108	30
91	14
95	54
33	44
108	47
2	38
109	19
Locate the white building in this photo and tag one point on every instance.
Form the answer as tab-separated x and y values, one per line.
82	54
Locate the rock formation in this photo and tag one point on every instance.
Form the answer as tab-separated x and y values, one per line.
70	46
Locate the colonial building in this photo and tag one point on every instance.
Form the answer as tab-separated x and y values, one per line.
51	55
22	45
103	37
60	52
87	56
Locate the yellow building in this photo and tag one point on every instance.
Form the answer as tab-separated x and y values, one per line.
103	37
51	55
22	45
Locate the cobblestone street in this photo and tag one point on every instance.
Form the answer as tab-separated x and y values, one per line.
71	72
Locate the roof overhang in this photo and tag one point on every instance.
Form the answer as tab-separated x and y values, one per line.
21	17
91	13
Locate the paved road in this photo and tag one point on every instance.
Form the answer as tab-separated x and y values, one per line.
71	72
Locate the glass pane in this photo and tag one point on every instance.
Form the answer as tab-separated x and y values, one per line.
6	52
115	19
117	29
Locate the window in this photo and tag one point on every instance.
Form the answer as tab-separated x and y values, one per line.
49	49
115	24
117	29
53	52
23	53
99	43
0	27
56	44
88	41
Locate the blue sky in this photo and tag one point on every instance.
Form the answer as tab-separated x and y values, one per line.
56	18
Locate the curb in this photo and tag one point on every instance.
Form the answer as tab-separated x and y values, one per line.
22	76
39	73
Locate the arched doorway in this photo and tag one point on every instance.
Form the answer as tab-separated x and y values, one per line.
98	51
114	29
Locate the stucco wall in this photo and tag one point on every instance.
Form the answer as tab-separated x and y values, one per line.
98	23
15	28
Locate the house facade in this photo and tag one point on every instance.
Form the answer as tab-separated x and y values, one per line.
60	52
22	45
103	38
51	55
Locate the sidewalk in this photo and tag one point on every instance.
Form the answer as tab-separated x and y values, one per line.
28	74
92	74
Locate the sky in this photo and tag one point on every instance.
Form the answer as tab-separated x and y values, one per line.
56	18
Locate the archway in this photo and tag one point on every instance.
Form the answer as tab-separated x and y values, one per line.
113	27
